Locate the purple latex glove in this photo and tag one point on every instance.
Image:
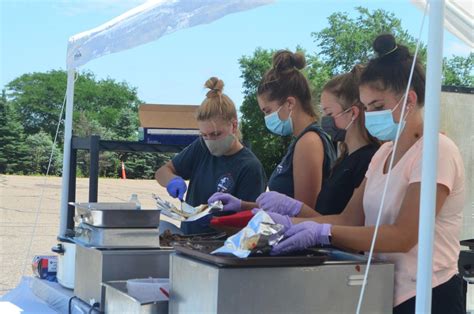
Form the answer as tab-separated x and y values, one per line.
230	202
176	187
302	236
285	221
279	203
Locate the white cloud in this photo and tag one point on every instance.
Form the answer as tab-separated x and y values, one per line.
78	7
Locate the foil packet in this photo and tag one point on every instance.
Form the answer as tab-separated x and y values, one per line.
188	212
258	237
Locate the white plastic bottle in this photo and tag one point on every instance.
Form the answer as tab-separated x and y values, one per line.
134	199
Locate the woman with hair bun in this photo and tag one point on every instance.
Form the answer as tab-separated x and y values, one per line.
343	121
216	161
284	96
382	90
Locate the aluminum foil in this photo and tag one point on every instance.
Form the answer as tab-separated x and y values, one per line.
258	237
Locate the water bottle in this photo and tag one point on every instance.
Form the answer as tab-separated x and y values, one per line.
134	199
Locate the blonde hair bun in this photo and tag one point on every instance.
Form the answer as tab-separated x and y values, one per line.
215	85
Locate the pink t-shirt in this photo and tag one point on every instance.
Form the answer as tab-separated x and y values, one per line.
448	221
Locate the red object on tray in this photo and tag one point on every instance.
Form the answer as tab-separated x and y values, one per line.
238	220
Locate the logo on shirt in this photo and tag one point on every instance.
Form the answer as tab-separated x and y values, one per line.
225	183
279	168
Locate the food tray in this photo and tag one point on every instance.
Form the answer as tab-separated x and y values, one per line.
201	250
116	215
91	236
118	300
168	239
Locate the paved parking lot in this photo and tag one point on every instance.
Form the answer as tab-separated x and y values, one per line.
19	200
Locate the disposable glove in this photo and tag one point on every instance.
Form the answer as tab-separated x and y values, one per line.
279	203
302	236
285	221
230	202
176	188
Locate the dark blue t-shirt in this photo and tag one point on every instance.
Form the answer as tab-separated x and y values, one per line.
281	179
241	174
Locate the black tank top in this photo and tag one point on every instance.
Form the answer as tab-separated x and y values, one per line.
281	179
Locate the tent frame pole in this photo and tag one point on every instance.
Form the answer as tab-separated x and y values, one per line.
67	152
430	158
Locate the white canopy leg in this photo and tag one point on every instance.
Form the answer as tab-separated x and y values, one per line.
67	151
430	157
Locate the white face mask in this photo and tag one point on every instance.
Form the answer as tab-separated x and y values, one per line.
221	146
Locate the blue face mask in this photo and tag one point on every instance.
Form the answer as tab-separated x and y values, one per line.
278	126
380	124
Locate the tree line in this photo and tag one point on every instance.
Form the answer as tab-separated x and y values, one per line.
30	104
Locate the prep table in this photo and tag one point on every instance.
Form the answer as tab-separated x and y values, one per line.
115	241
197	286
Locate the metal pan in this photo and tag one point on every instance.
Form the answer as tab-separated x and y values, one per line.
109	217
201	251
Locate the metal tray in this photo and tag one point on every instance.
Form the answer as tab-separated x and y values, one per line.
117	300
303	258
116	215
117	237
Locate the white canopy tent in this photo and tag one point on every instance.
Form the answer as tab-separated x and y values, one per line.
458	18
141	25
157	18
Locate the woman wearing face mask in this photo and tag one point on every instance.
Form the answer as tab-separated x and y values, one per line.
344	121
382	88
217	161
284	97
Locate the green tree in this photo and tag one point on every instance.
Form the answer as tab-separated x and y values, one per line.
348	40
37	98
344	43
459	71
39	153
101	107
12	148
142	165
84	126
318	74
126	125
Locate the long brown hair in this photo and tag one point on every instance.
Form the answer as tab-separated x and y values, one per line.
346	88
285	79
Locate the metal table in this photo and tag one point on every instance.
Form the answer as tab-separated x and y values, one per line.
333	287
95	145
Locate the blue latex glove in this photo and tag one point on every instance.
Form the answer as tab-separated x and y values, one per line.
285	221
229	201
279	203
302	236
176	188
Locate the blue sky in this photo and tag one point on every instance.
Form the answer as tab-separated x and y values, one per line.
173	69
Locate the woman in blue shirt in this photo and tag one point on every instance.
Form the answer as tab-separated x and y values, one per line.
216	161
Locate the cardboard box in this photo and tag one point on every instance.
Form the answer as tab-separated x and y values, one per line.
168	124
168	116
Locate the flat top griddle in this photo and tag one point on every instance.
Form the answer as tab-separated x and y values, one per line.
201	250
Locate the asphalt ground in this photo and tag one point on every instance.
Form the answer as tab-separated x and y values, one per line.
22	196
